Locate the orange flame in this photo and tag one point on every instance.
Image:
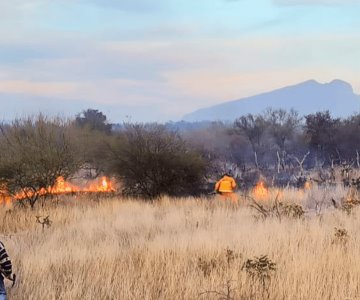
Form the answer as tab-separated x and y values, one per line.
4	197
260	191
105	185
61	186
307	187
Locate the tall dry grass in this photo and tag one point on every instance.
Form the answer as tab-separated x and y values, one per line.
179	249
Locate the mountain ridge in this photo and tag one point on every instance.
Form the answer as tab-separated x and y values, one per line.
306	97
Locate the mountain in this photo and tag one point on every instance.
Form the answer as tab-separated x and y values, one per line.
308	97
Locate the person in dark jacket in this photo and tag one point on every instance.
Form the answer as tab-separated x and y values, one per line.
5	270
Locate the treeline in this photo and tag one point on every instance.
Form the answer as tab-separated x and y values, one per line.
148	159
151	160
278	139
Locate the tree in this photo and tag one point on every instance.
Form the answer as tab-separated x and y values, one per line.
281	126
253	127
347	139
93	120
321	130
93	151
34	153
152	161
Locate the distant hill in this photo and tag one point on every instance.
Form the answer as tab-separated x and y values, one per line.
308	97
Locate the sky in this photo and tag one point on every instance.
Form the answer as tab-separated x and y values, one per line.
156	60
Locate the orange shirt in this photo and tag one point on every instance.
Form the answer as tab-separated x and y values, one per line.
226	184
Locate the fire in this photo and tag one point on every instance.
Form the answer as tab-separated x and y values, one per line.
307	185
61	186
302	191
105	185
260	191
4	198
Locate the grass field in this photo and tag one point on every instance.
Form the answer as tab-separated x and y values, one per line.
182	249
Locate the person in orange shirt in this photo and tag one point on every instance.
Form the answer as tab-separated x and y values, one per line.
225	187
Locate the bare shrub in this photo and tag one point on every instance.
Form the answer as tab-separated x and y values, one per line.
341	236
34	153
153	161
260	270
292	210
351	201
225	292
206	266
278	209
44	221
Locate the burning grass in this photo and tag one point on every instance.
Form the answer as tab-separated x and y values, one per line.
124	249
61	187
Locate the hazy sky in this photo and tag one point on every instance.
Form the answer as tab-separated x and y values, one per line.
159	59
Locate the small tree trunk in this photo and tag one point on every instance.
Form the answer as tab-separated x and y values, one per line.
283	155
256	160
301	163
32	203
279	161
33	200
357	159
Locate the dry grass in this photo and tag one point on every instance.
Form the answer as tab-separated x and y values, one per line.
123	249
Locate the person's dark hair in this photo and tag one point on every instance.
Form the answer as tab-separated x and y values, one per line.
228	173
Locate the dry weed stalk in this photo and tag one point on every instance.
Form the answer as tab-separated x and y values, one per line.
227	293
260	269
278	209
351	201
44	221
206	266
341	236
222	262
292	210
